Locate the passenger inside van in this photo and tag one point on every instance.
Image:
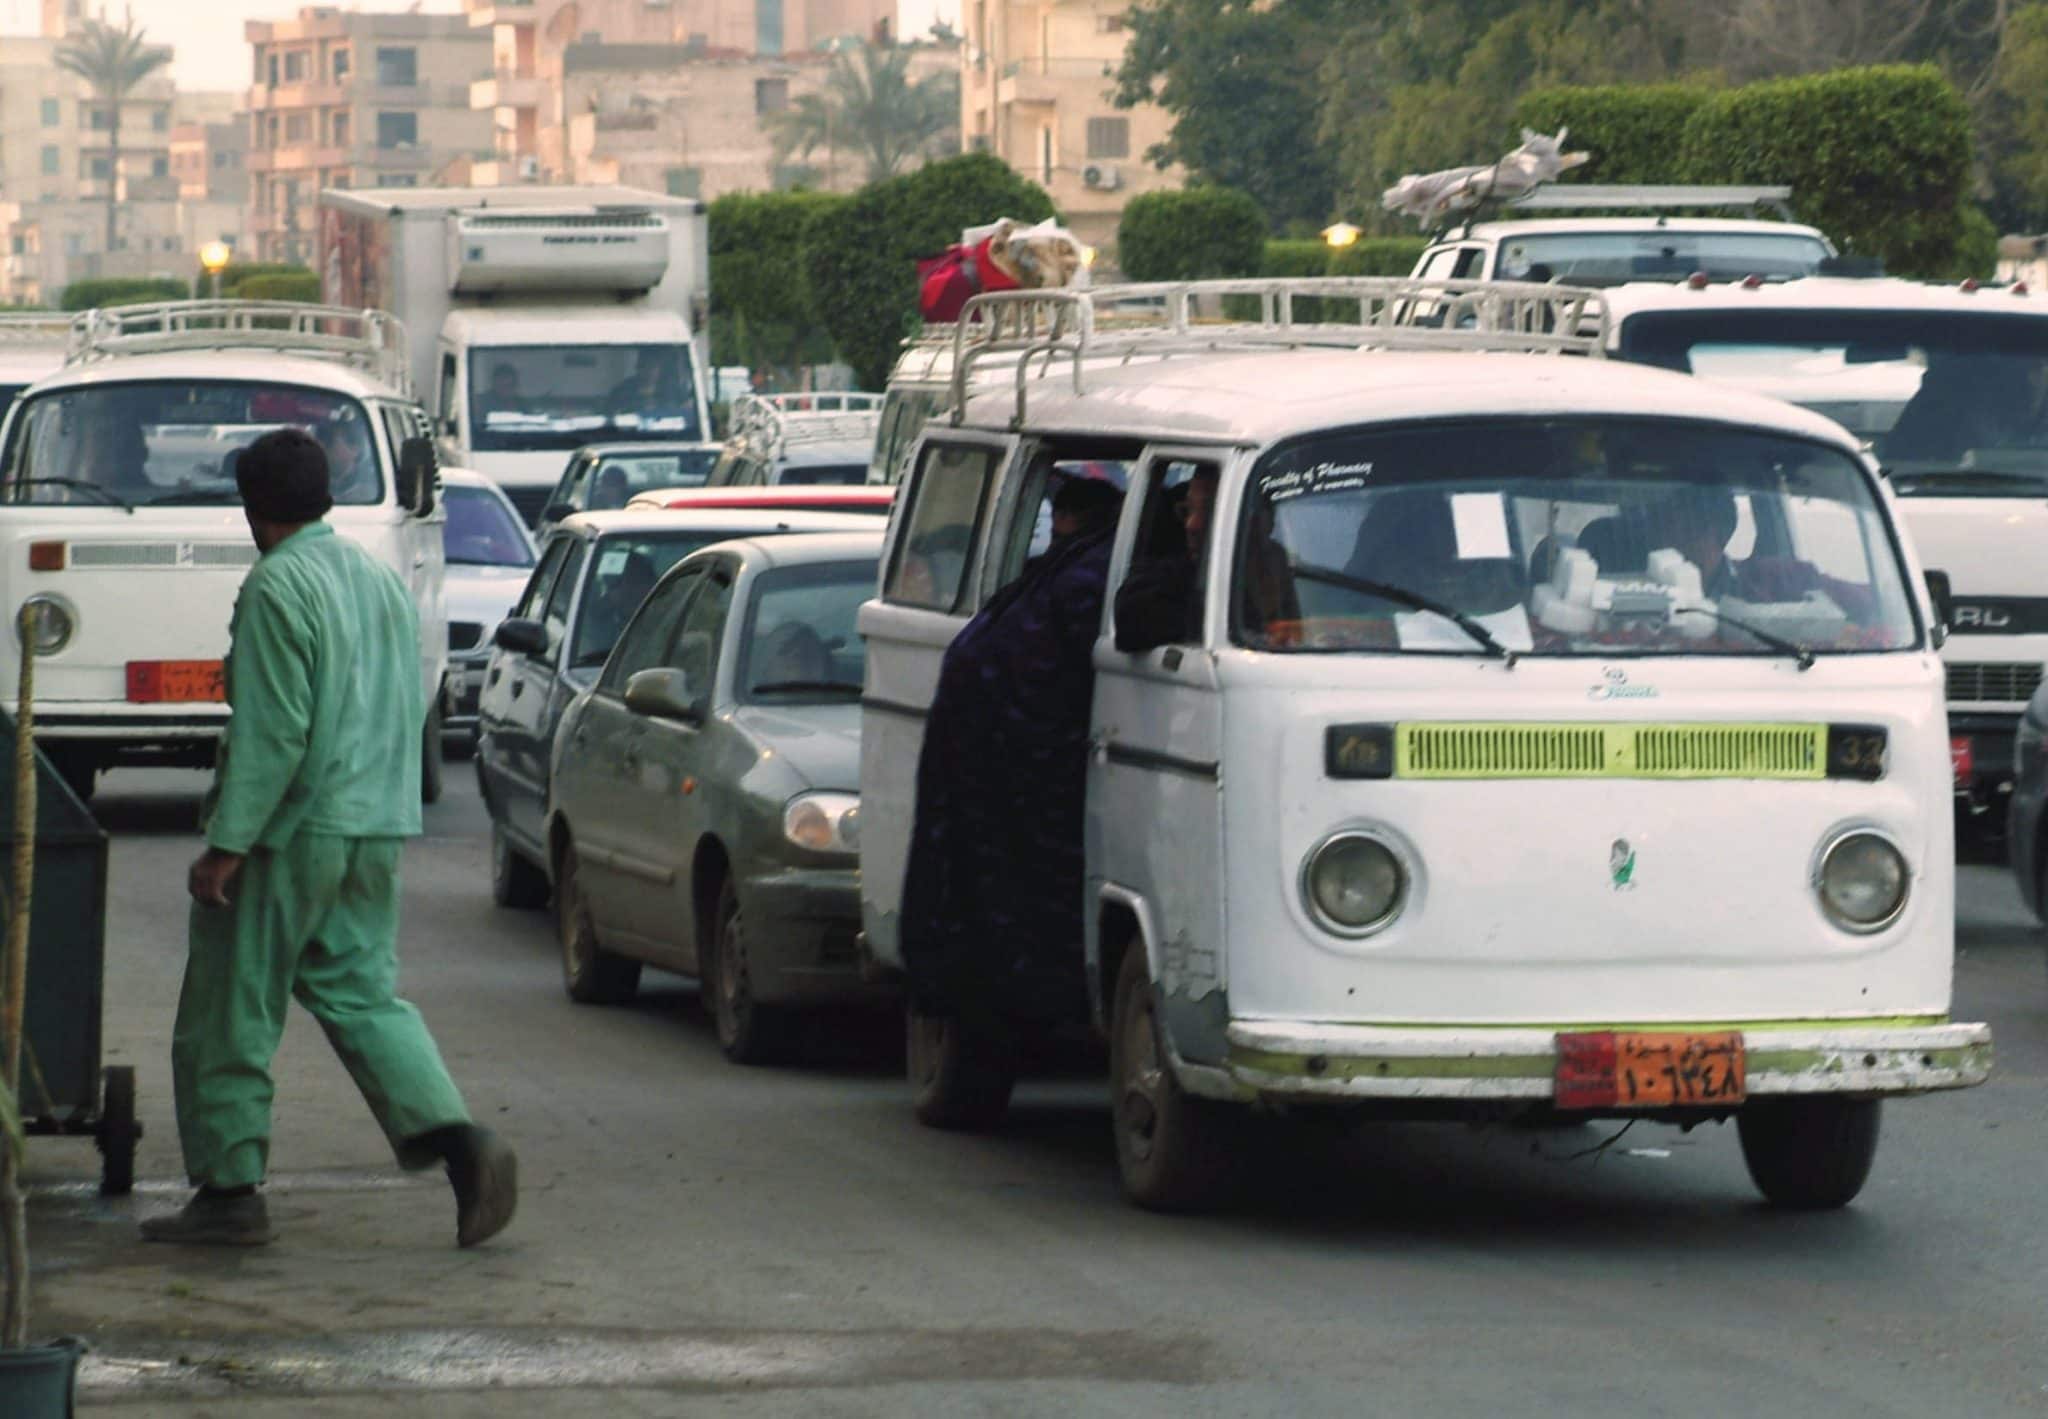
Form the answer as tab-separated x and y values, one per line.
1968	402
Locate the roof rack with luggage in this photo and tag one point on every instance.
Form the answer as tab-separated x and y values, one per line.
369	341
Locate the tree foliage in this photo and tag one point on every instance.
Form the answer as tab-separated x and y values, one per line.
97	292
1633	131
1191	234
762	312
861	258
277	286
114	60
870	106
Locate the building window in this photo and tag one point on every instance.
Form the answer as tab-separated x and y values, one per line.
51	159
767	26
398	68
100	120
340	180
295	67
397	130
340	65
159	167
298	127
53	113
160	120
340	126
771	95
399	179
1045	155
1109	137
100	168
274	74
685	182
1109	24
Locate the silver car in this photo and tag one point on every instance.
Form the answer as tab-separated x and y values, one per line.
490	556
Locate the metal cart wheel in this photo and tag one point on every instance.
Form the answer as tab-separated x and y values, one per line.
117	1132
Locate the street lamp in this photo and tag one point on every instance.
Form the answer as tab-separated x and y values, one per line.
1339	235
214	258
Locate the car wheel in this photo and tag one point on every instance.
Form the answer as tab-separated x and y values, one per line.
1809	1154
430	756
591	974
963	1070
516	880
748	1031
1172	1149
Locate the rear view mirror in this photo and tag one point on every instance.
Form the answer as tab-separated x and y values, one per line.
522	636
417	470
662	694
1943	597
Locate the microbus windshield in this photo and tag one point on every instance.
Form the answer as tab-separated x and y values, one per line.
1953	404
169	442
548	397
1563	537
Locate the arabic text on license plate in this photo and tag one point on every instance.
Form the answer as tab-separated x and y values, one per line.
1962	759
1619	1069
175	681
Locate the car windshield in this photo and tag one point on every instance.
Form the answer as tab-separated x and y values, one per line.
1953	404
801	643
622	571
815	473
482	531
616	478
548	397
173	441
1609	258
1566	537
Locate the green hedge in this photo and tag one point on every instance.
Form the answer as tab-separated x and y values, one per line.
1633	131
861	257
235	273
277	286
1190	235
1878	158
95	292
1378	256
1295	258
1369	256
761	310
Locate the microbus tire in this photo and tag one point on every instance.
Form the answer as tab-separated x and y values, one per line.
963	1072
117	1132
590	974
430	756
1172	1149
1809	1154
516	880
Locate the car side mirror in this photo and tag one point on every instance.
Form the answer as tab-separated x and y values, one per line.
417	468
555	512
662	694
518	634
1943	597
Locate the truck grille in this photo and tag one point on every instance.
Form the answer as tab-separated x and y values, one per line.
531	502
1991	682
1483	751
163	554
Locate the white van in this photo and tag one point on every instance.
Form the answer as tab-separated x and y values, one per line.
1439	807
121	525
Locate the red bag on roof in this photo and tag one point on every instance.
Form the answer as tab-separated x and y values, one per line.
944	283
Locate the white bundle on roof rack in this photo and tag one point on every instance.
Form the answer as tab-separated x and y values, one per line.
1433	196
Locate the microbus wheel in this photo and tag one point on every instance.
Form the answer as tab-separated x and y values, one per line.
516	881
963	1071
1172	1149
430	756
1809	1154
591	974
117	1131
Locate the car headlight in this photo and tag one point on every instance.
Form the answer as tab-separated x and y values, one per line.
51	622
1862	881
1353	884
823	822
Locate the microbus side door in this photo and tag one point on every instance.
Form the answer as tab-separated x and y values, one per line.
929	588
1154	835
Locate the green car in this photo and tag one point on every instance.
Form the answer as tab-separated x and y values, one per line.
704	810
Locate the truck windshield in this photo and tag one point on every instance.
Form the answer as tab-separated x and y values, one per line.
1596	536
1608	258
165	442
547	397
1953	404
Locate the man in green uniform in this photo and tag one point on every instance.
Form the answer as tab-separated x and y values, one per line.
296	894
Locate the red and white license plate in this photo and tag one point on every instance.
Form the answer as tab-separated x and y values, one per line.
1963	759
1622	1069
153	682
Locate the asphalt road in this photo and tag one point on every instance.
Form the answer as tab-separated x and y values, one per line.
698	1238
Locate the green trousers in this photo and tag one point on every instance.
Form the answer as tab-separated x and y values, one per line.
316	920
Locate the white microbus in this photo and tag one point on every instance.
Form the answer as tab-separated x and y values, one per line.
1427	802
121	525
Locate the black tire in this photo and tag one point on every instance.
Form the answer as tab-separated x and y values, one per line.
430	755
516	880
964	1071
1809	1154
591	974
1172	1150
79	768
117	1132
748	1031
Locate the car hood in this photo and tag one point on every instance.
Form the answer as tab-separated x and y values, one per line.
483	594
821	743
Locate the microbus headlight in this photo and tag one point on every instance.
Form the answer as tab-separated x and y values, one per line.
51	622
1353	884
823	822
1862	880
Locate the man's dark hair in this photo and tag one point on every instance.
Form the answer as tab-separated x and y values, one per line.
1088	498
282	477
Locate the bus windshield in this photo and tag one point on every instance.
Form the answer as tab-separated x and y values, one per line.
549	397
166	442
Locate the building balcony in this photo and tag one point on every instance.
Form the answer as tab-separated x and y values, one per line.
134	139
296	157
508	91
302	95
487	13
1047	80
418	157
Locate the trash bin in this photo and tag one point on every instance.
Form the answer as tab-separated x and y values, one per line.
63	1089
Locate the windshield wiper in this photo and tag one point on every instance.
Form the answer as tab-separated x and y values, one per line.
793	687
1415	601
81	485
1776	642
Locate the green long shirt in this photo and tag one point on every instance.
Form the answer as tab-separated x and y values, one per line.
323	678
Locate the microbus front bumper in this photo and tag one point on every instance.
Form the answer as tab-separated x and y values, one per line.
1451	1064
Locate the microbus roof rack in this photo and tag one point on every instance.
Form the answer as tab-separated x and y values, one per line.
779	419
366	340
1164	320
1590	197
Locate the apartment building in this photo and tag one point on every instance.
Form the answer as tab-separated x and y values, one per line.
1036	82
342	98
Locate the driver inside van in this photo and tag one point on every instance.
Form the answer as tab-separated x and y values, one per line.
1160	601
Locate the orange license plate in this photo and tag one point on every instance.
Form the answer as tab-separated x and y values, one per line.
1619	1069
175	681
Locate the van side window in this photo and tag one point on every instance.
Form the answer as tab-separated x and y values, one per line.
446	406
1061	497
1160	601
940	527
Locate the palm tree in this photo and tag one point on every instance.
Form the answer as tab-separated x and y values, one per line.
113	59
869	104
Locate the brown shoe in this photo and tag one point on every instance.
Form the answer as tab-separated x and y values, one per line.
214	1219
484	1172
